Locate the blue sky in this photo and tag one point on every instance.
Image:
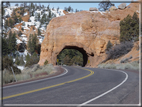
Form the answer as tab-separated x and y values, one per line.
79	6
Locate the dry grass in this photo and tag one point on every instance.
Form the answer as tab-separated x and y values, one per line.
132	66
28	74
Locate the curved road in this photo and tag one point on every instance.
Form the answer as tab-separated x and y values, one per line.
78	86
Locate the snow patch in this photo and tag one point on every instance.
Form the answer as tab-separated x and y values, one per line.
18	41
8	12
21	67
25	14
16	29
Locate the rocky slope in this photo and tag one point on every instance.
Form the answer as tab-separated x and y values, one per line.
88	30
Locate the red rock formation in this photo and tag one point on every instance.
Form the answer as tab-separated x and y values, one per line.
87	30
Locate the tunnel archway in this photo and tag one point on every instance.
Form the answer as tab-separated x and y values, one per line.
81	50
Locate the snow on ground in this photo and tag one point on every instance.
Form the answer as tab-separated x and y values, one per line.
16	29
18	41
3	22
32	18
59	13
13	59
25	39
26	25
21	67
14	7
8	12
23	35
37	12
40	40
25	14
37	24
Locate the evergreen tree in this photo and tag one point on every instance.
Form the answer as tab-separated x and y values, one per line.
3	11
46	62
39	33
20	19
39	17
27	58
11	23
22	28
30	44
129	28
57	9
17	61
104	5
13	43
23	24
4	47
6	24
69	8
15	19
66	9
109	45
49	13
48	8
8	4
21	61
66	60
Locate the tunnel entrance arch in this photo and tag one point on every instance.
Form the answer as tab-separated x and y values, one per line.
81	50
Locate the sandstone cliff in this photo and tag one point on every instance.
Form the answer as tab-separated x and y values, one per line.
86	30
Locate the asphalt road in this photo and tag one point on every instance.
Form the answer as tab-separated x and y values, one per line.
79	86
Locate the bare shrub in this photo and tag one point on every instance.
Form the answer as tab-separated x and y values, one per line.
119	50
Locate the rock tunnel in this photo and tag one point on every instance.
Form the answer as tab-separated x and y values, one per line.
81	50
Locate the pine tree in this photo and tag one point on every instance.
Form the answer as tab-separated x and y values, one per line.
21	61
4	47
49	13
48	7
104	5
13	42
6	24
3	11
66	9
30	44
46	62
27	58
57	9
129	28
20	19
39	33
109	45
17	61
39	17
11	23
10	42
69	8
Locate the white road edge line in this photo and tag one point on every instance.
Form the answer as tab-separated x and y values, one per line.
106	91
66	71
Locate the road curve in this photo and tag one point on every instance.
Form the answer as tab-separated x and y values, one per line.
79	86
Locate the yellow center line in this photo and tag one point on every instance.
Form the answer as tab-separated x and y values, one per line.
91	73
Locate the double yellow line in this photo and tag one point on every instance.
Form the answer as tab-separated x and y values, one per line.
91	73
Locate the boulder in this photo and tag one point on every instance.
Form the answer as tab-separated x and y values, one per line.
112	8
93	9
122	6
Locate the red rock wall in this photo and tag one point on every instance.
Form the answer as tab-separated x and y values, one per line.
88	30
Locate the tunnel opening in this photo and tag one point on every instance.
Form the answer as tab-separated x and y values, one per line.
72	55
